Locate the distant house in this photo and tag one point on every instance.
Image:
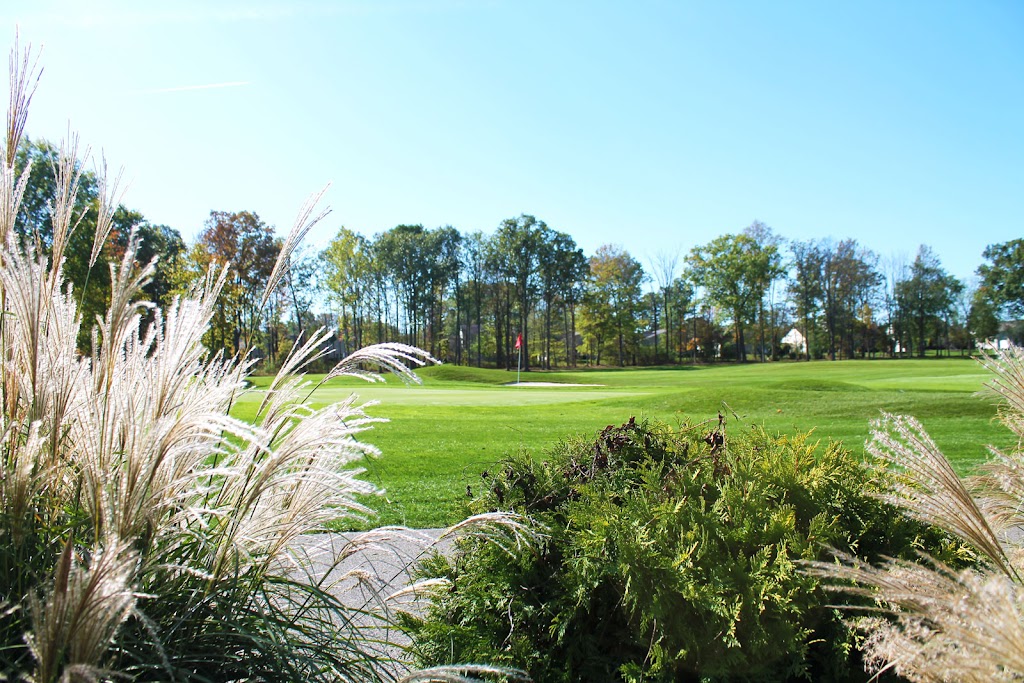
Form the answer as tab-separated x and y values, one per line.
1000	342
795	340
1007	335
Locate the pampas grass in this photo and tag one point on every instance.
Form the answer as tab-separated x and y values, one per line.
933	622
144	532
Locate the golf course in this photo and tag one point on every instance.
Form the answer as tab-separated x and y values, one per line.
443	433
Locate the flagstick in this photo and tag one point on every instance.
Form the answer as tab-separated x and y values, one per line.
519	364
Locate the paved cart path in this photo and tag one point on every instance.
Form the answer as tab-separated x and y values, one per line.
363	569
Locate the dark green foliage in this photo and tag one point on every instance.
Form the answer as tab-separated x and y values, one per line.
34	224
1003	275
673	555
253	626
166	246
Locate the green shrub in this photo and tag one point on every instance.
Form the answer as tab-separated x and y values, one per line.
672	555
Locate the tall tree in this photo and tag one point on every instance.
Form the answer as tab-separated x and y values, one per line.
1003	276
163	245
928	295
474	259
805	286
380	294
562	266
402	254
682	300
732	271
896	269
445	253
665	265
498	269
576	274
982	319
520	243
848	278
248	247
302	286
615	298
768	268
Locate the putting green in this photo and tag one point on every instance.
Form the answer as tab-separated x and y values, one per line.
478	396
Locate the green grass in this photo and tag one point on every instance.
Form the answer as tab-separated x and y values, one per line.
461	421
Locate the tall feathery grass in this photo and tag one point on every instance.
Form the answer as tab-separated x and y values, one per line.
145	533
931	622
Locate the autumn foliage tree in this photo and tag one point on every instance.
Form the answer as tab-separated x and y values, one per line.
247	245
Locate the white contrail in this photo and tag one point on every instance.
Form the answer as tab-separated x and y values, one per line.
208	86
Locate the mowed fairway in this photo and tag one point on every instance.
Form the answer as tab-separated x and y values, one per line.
461	421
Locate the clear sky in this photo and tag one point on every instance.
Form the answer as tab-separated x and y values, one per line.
653	125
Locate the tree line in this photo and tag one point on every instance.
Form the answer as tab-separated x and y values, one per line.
469	297
527	294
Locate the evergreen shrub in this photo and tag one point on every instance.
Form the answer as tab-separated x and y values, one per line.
672	554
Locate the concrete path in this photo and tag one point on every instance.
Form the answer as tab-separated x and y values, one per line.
364	570
368	572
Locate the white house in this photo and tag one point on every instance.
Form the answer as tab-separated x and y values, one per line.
1003	339
1000	342
795	340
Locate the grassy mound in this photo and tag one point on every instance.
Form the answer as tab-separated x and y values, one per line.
815	385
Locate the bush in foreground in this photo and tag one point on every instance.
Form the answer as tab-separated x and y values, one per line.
672	555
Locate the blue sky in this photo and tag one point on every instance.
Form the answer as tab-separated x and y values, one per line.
653	125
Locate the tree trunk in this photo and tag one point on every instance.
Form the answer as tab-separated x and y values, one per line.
621	349
479	325
547	335
654	311
572	335
566	334
760	318
668	329
741	351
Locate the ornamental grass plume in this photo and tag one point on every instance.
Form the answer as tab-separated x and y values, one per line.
144	532
929	621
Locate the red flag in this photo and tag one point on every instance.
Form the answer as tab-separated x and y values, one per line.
519	341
